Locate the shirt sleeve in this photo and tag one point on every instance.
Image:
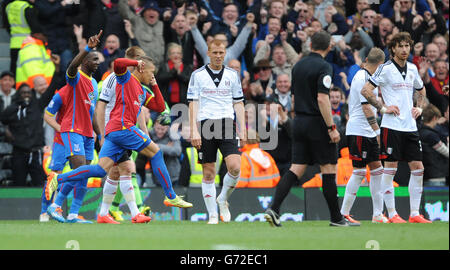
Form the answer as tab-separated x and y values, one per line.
108	89
325	80
193	89
54	105
72	81
238	95
378	78
418	83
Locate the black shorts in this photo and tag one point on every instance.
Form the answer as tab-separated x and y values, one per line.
311	142
217	134
363	150
125	156
400	145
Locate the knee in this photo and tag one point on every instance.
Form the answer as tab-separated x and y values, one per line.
235	169
209	173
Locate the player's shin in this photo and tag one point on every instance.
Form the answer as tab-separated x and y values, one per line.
415	189
81	173
376	191
388	190
79	192
128	193
351	189
160	171
65	189
109	194
209	196
229	184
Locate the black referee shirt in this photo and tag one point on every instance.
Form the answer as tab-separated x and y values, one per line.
311	75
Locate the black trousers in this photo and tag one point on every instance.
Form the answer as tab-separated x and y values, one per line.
24	163
13	54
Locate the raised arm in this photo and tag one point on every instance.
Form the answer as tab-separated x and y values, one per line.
92	43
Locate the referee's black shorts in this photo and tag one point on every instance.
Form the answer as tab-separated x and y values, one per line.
400	145
217	134
311	142
363	150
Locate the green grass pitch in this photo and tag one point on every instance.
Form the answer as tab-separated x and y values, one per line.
186	235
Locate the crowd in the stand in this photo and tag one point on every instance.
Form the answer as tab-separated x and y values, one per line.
264	40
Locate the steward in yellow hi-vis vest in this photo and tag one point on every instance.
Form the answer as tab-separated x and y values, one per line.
34	60
196	168
19	26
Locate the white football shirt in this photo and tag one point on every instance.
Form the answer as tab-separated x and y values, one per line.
357	123
397	88
108	94
215	102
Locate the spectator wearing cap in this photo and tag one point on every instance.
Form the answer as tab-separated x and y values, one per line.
7	90
148	28
265	83
170	147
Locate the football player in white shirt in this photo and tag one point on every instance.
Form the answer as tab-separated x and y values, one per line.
214	95
399	80
363	136
119	176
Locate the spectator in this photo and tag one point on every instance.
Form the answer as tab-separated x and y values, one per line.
170	147
299	16
341	59
230	24
336	99
265	84
442	43
149	29
283	91
243	75
368	25
435	85
234	51
111	51
25	121
336	22
173	76
320	9
361	5
34	60
177	31
7	90
435	151
52	16
385	27
20	20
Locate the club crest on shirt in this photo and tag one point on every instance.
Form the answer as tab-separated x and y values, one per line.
76	147
227	83
141	98
91	96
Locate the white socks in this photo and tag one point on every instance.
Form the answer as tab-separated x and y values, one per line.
415	188
126	186
376	191
388	190
229	184
209	196
351	189
109	191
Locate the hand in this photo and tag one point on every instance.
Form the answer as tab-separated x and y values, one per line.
298	5
234	30
269	38
283	36
56	59
269	91
94	40
167	15
413	9
397	6
140	66
153	80
418	48
203	14
343	76
250	17
445	89
282	114
334	136
78	31
302	35
196	139
432	6
332	10
206	27
263	15
416	112
128	28
290	26
416	22
393	109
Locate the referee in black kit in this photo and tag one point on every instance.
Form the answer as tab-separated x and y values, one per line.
315	136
